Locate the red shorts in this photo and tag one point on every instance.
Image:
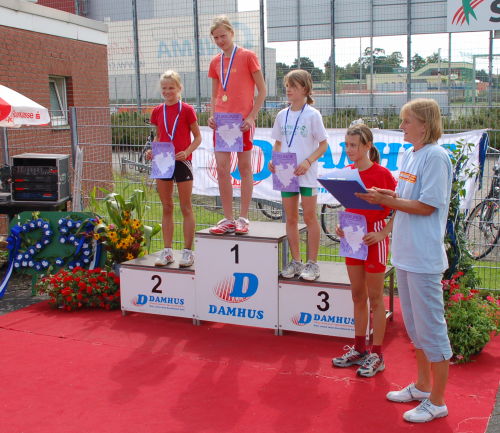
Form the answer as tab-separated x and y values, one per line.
247	139
376	260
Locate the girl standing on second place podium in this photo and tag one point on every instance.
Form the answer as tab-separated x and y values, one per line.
235	74
367	276
175	122
299	129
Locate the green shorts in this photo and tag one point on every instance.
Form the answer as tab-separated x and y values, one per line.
305	191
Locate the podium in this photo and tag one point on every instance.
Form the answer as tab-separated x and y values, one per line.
237	275
235	279
166	290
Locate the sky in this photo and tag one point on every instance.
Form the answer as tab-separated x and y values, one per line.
463	46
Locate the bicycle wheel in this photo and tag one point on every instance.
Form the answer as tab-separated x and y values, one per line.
329	220
270	209
482	229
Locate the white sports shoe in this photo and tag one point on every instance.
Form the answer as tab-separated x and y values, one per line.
425	412
187	259
409	393
166	257
310	271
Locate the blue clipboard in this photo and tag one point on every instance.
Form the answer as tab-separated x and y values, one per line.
343	190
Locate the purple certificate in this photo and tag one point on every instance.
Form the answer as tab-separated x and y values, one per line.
284	179
163	160
228	136
354	227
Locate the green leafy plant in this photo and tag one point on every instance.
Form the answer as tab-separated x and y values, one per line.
81	288
472	315
120	229
472	318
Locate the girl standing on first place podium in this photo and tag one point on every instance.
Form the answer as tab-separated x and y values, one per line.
235	74
367	276
299	129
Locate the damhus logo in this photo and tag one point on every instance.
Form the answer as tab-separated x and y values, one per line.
236	289
302	319
156	301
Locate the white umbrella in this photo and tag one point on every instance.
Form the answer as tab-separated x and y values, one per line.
17	110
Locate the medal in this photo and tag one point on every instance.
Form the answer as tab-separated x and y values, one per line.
224	80
174	128
294	128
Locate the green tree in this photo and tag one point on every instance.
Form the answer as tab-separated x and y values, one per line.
417	62
307	64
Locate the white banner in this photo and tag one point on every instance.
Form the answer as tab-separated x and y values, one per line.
389	143
473	15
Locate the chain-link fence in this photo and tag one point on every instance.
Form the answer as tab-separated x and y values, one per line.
384	51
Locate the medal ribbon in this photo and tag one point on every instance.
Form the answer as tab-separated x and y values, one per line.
226	79
295	127
175	122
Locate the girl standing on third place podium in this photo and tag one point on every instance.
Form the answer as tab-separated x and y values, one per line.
235	74
299	129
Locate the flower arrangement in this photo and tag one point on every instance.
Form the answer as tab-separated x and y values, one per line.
81	288
472	317
122	231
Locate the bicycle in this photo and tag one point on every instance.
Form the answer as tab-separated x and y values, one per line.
482	228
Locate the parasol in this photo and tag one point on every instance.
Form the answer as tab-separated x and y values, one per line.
17	110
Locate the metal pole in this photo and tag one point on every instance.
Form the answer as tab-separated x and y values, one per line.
449	69
490	70
408	50
371	59
77	7
333	60
474	79
74	134
262	41
298	34
5	147
136	54
197	53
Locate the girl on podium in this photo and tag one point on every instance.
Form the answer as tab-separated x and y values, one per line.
421	201
235	74
299	129
367	276
176	122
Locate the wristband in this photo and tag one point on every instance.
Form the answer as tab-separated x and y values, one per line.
310	163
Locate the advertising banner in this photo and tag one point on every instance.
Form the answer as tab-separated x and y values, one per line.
473	15
390	144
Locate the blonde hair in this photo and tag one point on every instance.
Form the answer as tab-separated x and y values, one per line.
300	77
221	21
366	137
172	75
428	112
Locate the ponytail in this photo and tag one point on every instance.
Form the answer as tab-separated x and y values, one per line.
374	154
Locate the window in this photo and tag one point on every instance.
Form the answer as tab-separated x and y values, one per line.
58	101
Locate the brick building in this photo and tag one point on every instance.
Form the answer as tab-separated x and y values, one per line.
59	60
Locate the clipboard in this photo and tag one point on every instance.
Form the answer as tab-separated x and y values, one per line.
343	190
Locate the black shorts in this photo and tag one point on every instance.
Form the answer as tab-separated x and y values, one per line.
183	172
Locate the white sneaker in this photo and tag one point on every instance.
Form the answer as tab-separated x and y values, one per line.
410	393
310	271
293	269
425	412
187	259
166	257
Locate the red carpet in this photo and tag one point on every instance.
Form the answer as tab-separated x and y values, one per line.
99	372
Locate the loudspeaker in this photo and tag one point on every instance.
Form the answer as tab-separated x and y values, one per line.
40	177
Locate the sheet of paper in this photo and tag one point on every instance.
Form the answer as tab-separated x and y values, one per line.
163	161
284	179
354	227
228	136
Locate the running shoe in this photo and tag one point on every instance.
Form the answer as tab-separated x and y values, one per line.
372	365
187	259
166	257
310	271
293	269
242	226
425	412
409	393
351	357
223	226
